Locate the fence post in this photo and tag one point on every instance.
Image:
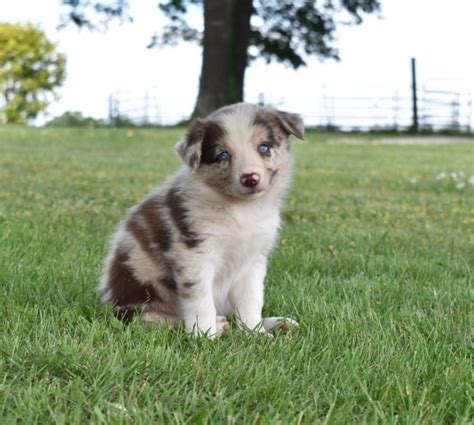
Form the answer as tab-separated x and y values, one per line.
145	108
111	110
455	113
469	112
396	106
414	95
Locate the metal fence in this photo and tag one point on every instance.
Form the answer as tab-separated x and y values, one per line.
366	108
143	108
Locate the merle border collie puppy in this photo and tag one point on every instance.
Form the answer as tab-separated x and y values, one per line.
195	250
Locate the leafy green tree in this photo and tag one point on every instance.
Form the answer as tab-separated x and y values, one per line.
238	31
30	71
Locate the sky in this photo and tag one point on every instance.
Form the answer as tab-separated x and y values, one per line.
375	63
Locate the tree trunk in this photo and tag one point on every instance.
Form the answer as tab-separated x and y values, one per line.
224	58
243	10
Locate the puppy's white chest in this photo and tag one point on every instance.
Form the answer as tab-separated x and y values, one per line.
246	235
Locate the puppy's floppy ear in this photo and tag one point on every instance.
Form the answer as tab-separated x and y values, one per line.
190	148
291	123
199	145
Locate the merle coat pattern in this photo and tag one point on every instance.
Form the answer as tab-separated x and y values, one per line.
195	250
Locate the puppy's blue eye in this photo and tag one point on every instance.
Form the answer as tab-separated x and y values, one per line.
223	156
264	148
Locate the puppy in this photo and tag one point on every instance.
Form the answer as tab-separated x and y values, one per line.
195	250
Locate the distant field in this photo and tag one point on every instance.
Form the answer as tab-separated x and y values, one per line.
375	260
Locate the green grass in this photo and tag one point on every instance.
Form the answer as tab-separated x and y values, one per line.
374	260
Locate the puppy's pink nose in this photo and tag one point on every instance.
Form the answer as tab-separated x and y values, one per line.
250	180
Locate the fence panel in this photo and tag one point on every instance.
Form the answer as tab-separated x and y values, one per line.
363	108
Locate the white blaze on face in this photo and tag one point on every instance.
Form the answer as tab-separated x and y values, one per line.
243	138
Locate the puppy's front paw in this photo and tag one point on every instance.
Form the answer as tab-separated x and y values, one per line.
283	323
222	325
213	332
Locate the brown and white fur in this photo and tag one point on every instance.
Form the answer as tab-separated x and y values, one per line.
195	250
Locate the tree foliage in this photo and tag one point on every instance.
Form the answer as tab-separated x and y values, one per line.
94	14
238	31
286	31
283	30
30	71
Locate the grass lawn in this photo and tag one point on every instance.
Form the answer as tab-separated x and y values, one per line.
374	260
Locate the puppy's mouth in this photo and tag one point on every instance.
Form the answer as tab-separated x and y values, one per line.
252	192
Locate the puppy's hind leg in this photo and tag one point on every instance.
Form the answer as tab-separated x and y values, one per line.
271	324
152	316
222	325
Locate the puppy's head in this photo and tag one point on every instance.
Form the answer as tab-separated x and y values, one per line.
241	150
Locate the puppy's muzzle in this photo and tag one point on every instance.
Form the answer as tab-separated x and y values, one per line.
250	180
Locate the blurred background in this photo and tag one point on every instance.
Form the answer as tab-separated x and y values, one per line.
343	64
